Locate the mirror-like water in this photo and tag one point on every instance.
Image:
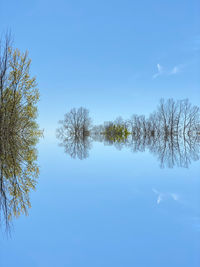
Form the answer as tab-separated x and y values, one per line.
115	208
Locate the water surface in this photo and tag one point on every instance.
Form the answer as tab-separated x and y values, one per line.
115	208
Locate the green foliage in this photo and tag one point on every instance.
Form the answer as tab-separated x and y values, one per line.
19	133
116	133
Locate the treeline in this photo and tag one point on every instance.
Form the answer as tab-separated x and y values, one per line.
172	133
170	119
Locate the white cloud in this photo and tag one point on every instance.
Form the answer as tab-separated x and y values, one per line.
159	199
160	196
161	71
160	68
174	196
165	196
175	70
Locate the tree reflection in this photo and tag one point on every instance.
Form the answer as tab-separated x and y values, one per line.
74	133
170	151
75	146
171	133
18	174
173	151
19	133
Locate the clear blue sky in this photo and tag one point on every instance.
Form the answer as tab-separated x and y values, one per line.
113	57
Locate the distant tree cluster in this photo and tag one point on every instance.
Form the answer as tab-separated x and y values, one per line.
171	118
19	131
115	132
172	133
74	133
76	123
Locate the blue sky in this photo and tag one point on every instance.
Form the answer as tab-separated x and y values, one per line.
113	57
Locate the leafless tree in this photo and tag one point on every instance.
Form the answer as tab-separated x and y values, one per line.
171	133
174	118
76	146
76	122
74	133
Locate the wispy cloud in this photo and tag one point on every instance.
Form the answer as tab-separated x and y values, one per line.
175	70
162	71
159	72
164	196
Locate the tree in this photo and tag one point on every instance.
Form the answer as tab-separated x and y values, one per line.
74	133
180	117
19	131
76	123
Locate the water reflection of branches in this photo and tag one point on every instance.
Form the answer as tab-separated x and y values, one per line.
171	133
170	151
18	173
19	133
76	146
74	133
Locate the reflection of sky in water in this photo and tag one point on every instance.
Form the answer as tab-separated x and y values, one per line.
170	152
115	208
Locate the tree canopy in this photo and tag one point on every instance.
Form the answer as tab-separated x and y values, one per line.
19	131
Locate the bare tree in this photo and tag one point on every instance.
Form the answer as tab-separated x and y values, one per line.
76	122
76	146
74	133
172	133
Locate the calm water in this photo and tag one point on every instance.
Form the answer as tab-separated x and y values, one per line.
115	208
